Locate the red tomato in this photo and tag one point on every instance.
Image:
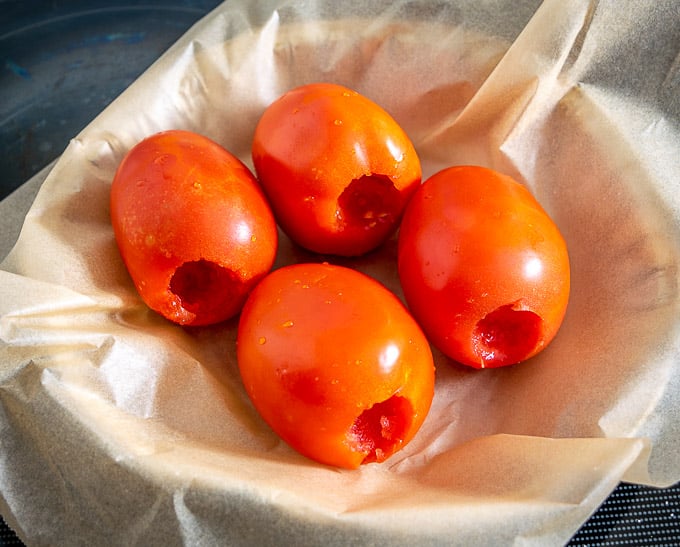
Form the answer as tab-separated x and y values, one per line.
193	227
337	168
334	363
484	269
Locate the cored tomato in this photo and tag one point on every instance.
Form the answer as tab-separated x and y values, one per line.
337	168
484	269
334	363
193	227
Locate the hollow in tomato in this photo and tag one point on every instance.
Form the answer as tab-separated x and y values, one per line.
334	363
484	269
337	168
192	225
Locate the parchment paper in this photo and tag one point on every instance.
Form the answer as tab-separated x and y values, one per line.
118	428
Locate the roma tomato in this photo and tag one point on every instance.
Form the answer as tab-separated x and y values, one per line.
334	363
193	227
484	269
337	168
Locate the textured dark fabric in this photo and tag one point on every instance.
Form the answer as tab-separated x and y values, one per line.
634	515
7	537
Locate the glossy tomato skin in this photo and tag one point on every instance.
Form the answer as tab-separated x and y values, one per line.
337	168
192	225
484	269
334	363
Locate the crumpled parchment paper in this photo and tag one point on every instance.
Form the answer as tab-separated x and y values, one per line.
118	428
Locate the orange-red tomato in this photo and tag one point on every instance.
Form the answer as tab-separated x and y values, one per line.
334	363
484	269
337	168
193	227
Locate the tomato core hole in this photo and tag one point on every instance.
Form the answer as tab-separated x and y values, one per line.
369	201
506	336
204	287
379	431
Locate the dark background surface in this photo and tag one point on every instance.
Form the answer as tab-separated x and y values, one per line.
62	62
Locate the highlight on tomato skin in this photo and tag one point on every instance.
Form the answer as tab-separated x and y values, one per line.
337	168
484	269
192	225
334	363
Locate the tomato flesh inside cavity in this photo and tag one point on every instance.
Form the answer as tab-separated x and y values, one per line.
368	201
379	431
506	335
204	287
